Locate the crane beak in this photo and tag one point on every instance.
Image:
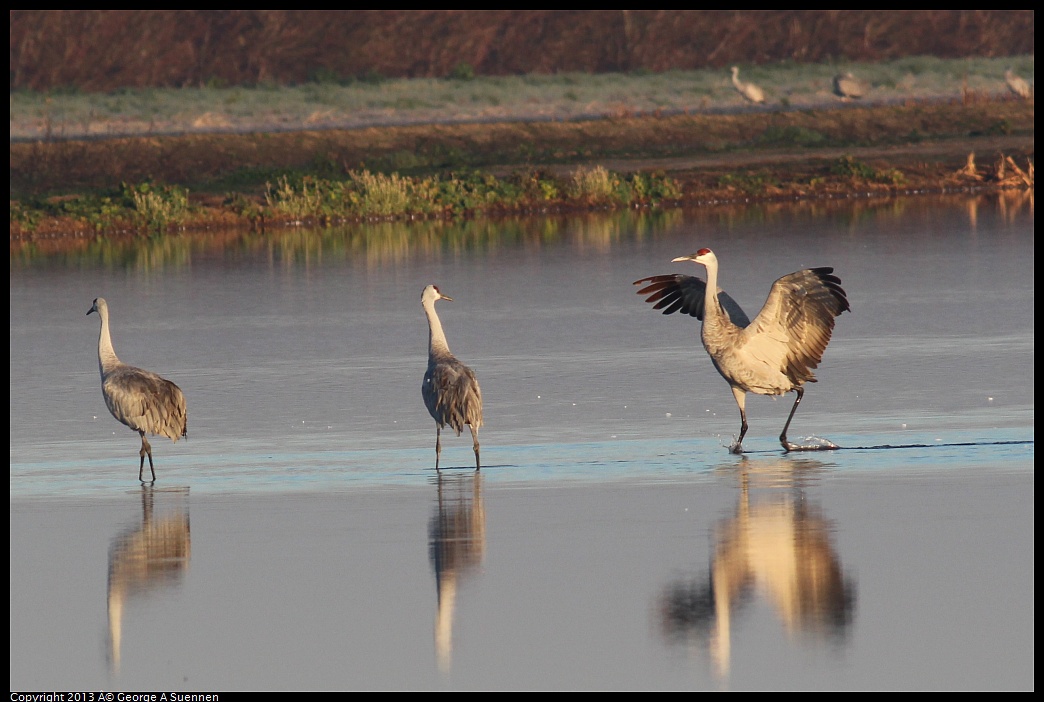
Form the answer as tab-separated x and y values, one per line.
690	257
445	297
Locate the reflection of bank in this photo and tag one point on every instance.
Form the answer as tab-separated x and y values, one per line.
778	547
457	544
146	557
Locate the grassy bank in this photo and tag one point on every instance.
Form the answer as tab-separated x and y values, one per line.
914	133
377	101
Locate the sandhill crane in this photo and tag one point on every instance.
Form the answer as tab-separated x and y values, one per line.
450	390
747	90
1017	85
776	352
142	400
847	86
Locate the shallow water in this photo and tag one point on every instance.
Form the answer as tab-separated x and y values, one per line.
610	541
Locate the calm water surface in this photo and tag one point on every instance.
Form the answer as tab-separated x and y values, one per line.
610	540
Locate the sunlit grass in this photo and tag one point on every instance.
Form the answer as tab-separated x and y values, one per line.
159	208
381	195
361	195
593	185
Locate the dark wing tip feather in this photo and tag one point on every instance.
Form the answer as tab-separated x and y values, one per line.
670	305
833	284
674	293
685	293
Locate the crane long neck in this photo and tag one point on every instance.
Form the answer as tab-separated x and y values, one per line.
107	359
437	345
712	311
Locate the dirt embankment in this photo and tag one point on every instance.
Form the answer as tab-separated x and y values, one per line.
887	149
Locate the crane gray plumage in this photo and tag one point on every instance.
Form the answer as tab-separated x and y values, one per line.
775	353
747	90
138	398
847	86
450	390
1017	85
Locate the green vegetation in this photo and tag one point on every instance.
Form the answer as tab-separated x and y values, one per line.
848	167
362	195
462	71
366	195
145	206
749	183
158	208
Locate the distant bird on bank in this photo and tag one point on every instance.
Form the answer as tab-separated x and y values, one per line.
776	352
1017	85
142	400
748	90
848	87
450	390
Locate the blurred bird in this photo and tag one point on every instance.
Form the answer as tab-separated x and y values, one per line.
748	90
847	86
1017	85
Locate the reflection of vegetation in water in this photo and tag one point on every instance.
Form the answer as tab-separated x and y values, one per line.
388	243
128	253
371	245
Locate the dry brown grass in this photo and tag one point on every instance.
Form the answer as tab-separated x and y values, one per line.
104	50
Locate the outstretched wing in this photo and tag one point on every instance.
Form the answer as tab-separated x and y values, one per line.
794	327
685	293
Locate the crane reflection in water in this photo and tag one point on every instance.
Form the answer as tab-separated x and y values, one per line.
457	545
146	557
777	546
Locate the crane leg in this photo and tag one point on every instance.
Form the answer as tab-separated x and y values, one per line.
438	445
474	437
824	445
146	450
741	402
787	446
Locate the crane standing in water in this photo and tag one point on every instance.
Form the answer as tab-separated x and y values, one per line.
776	352
450	390
142	400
